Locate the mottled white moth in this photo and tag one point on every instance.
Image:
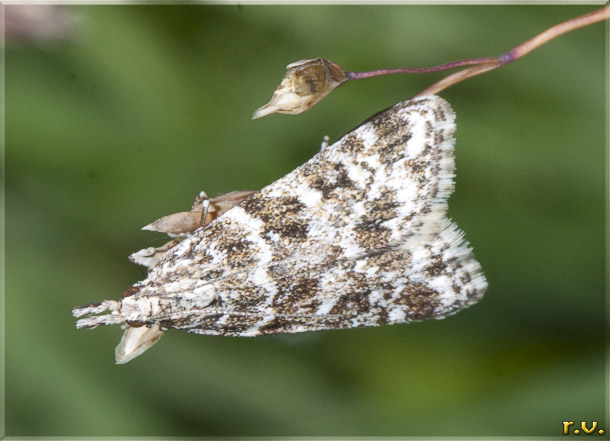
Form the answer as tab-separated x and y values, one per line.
356	236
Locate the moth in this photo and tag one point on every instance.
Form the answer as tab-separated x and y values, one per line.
357	236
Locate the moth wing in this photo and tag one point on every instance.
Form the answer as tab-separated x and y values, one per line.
436	279
345	231
384	184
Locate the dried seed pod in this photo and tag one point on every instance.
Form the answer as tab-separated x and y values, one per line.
188	221
222	203
177	223
305	84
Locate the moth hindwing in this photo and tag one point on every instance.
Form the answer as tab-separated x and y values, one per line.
356	236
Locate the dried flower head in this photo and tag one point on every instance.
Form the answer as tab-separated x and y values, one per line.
305	84
188	221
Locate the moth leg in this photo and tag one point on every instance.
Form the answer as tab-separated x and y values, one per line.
325	142
205	206
151	255
201	206
202	196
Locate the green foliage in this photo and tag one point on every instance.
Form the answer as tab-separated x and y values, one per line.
147	105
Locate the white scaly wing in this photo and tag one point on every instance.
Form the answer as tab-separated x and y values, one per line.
356	236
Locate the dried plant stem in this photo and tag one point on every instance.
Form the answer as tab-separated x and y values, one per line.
482	65
308	81
408	70
457	77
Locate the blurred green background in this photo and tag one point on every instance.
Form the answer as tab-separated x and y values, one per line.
130	111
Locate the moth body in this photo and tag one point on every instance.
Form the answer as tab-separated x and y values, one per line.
357	236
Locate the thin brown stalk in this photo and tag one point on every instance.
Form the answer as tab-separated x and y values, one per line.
486	64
